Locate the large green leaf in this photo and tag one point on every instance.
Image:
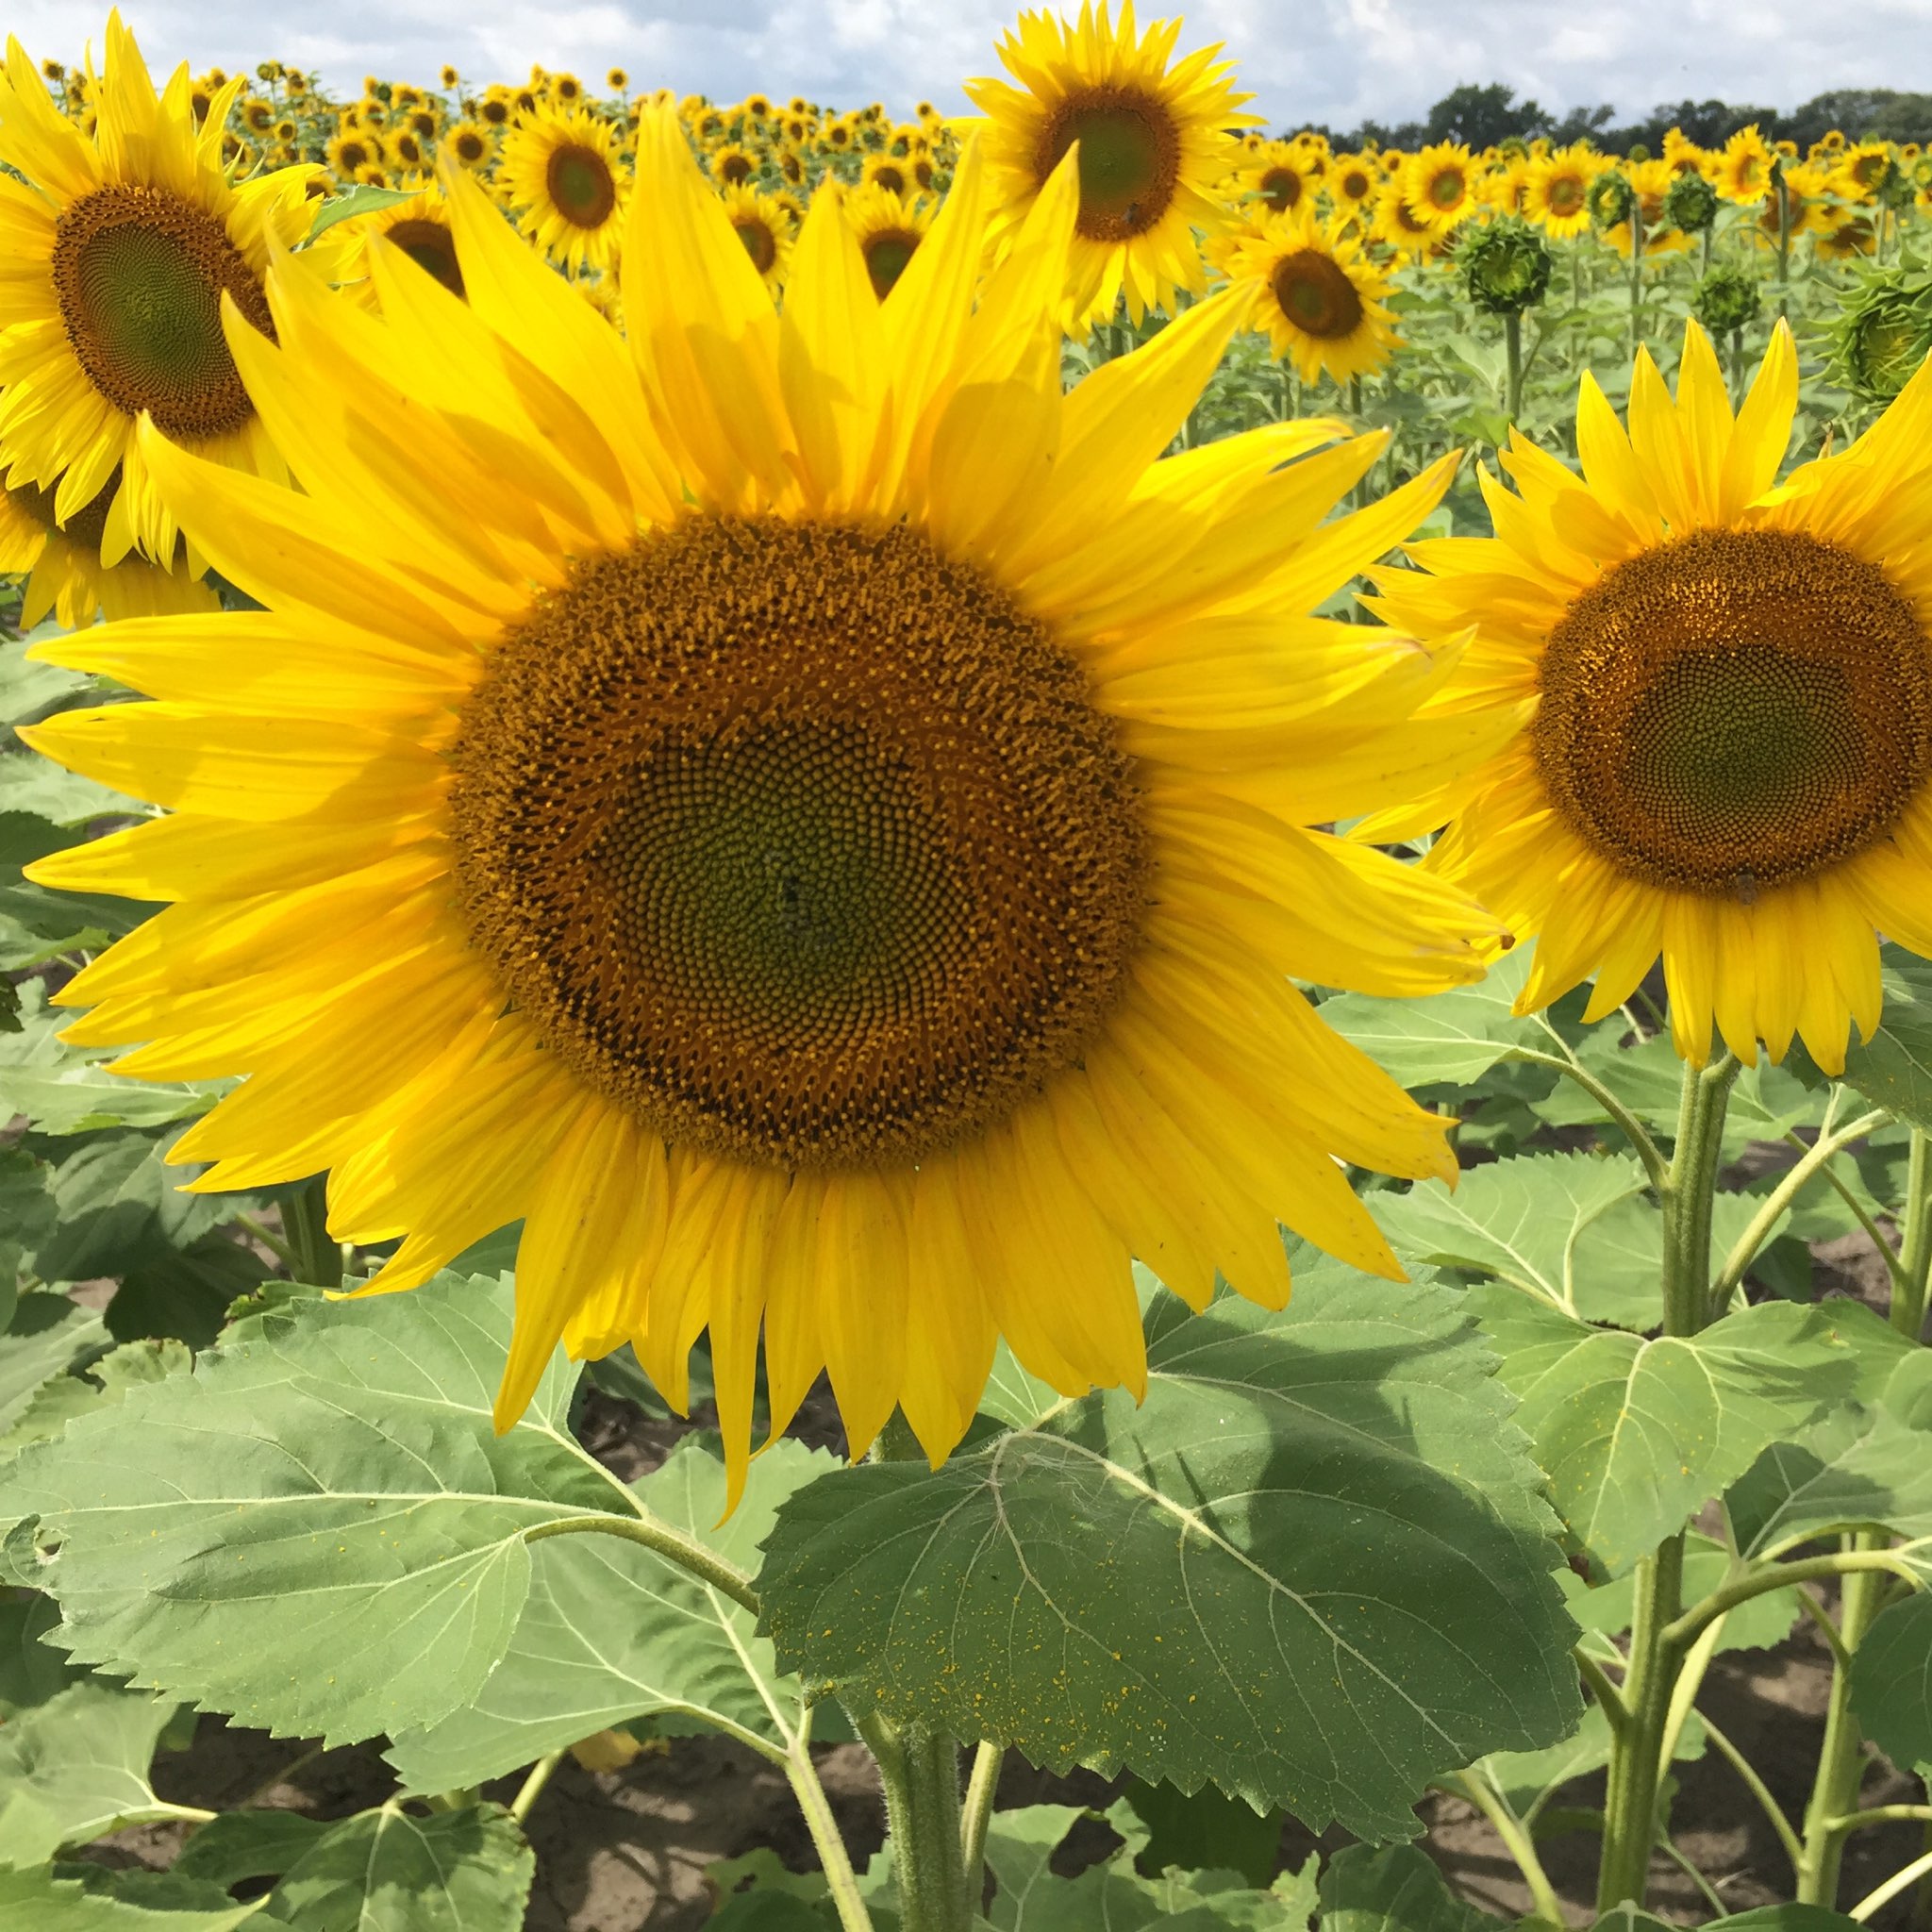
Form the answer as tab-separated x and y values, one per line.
1894	1066
48	1333
1636	1434
1607	1610
1525	1221
1453	1036
117	1202
1320	1528
319	1530
86	1898
63	1089
26	1214
1867	1464
57	1402
75	1767
383	1871
610	1631
1891	1681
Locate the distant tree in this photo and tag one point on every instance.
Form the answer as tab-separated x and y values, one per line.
1583	124
1483	116
1878	113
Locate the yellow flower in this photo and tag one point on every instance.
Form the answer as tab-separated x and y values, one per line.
1556	192
732	166
1317	295
115	254
1397	225
1651	182
764	225
1742	171
1726	694
64	571
1279	175
1351	182
561	172
891	172
354	150
1154	141
889	230
419	227
887	979
470	142
1439	184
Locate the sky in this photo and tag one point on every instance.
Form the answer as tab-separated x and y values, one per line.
1335	61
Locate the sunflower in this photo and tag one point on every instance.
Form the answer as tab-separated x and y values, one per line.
1279	175
732	165
1397	225
1860	171
1742	171
1650	181
765	225
1728	696
891	172
351	150
1317	295
113	265
419	227
1351	182
1556	191
64	571
560	171
1440	183
1791	206
1153	138
470	142
1842	234
738	807
889	230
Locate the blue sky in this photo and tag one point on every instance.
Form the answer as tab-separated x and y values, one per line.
1333	60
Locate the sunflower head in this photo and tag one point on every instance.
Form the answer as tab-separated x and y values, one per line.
1690	203
1506	265
1152	137
889	228
1727	299
758	818
765	225
1727	750
1883	335
1316	295
1440	184
1612	199
561	170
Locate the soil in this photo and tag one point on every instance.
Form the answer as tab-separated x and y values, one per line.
627	1851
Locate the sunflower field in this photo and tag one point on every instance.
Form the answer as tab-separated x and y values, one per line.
992	1024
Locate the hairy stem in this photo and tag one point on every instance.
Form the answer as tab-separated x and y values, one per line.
976	1814
835	1861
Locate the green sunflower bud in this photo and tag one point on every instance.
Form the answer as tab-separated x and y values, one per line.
1506	265
1690	203
1884	332
1727	299
1611	198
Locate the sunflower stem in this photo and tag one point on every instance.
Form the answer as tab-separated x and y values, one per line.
1513	344
1915	1242
1639	1748
317	1259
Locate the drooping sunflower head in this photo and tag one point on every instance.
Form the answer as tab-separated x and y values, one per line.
562	171
815	822
120	254
1316	294
1153	136
889	230
1727	758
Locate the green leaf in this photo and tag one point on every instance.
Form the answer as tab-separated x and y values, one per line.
37	923
1398	1889
364	200
1891	1681
30	783
84	1898
75	1767
1318	1523
1636	1434
383	1870
183	1293
1756	1623
319	1530
240	1845
610	1631
1865	1465
1202	1830
1894	1067
1449	1037
55	1402
1520	1220
47	1335
30	1672
117	1201
26	1215
61	1089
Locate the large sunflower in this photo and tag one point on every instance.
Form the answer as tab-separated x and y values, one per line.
1555	193
64	574
1155	138
1439	185
1729	692
561	170
809	818
1317	295
116	252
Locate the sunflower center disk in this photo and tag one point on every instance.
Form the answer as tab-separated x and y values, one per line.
1129	159
140	275
432	247
581	185
1316	294
888	255
799	841
1734	710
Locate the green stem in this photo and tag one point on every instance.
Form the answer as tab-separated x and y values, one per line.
1915	1241
977	1813
1841	1762
1632	1128
835	1861
1605	1693
317	1259
1770	1577
532	1786
1635	273
920	1772
706	1565
1513	344
1884	1894
1772	1811
1881	1814
1636	1752
1517	1841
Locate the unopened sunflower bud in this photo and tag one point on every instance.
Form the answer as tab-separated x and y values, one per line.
1506	265
1611	198
1727	299
1883	333
1690	203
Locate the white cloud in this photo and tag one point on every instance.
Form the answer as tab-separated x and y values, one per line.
1333	60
